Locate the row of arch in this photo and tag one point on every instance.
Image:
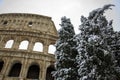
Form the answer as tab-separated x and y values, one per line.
38	46
29	23
39	17
33	71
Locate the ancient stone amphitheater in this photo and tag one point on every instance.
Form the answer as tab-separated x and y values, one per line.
25	40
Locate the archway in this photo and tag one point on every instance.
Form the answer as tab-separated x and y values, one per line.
51	49
33	72
9	44
15	70
24	45
1	65
49	76
38	47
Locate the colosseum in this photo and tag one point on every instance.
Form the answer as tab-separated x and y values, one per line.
25	42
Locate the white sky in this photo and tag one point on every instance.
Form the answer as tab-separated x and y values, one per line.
72	9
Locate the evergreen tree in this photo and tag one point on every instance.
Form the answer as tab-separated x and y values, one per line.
65	52
116	47
95	59
114	42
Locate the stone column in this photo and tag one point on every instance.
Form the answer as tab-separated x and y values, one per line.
16	44
2	43
31	45
43	71
7	67
23	73
45	47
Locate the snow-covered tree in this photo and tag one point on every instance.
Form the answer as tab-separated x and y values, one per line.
65	52
95	58
114	43
116	48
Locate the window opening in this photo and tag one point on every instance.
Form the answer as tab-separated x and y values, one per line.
30	23
51	49
24	45
38	47
5	22
9	44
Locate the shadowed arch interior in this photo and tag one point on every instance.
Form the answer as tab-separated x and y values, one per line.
33	72
15	70
49	76
1	65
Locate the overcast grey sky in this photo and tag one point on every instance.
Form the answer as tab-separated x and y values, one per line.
73	9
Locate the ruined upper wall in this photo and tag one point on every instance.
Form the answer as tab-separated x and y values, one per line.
27	22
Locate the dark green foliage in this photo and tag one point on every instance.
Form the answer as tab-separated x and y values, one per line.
66	52
96	59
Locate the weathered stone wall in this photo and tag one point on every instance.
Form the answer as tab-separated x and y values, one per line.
33	28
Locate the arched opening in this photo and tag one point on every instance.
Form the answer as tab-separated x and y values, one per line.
30	24
24	45
5	22
49	76
1	65
15	70
33	72
38	47
9	44
51	49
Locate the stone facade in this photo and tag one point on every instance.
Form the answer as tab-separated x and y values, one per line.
26	64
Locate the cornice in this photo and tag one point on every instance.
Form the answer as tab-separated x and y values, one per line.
24	15
26	54
36	34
